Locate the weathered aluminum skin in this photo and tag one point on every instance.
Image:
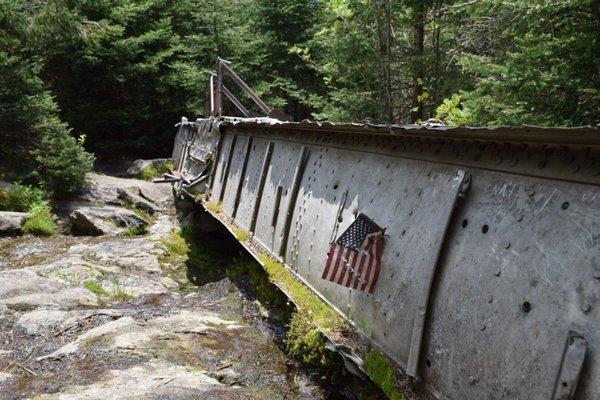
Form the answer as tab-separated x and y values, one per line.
490	285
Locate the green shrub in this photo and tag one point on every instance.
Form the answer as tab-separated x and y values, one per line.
62	161
35	146
21	198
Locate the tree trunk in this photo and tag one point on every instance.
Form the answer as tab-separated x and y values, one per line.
416	113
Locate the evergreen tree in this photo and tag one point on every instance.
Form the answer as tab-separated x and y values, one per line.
35	146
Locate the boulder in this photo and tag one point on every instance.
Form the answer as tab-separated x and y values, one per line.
105	189
105	220
132	196
138	165
10	222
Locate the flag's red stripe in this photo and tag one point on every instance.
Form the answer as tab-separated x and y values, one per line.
352	268
339	255
346	264
329	258
334	259
368	273
360	269
377	256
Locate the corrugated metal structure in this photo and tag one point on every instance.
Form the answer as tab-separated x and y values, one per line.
490	278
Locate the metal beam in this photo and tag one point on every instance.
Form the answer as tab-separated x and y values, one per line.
292	201
227	69
261	186
236	102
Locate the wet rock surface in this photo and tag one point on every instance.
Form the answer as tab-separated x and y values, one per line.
106	317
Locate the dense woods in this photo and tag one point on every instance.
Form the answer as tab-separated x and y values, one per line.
116	74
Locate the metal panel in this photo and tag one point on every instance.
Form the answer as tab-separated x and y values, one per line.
412	200
519	265
570	369
518	274
219	177
283	163
251	191
236	166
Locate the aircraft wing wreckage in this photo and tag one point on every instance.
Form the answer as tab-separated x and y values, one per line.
469	257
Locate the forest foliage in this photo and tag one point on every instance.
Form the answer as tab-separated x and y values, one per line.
120	73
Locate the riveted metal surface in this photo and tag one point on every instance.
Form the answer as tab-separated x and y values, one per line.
181	145
281	173
250	184
517	275
479	290
412	203
235	170
222	162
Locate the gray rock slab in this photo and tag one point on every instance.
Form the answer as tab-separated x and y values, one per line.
104	220
11	221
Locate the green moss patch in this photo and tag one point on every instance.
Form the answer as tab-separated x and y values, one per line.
305	339
212	207
176	246
382	372
240	234
319	312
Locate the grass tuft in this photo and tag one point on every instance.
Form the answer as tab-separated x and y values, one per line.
133	231
41	221
154	171
176	246
96	288
118	293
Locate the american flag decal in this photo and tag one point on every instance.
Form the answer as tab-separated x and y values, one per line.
354	259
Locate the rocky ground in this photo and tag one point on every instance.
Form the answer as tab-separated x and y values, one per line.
103	311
